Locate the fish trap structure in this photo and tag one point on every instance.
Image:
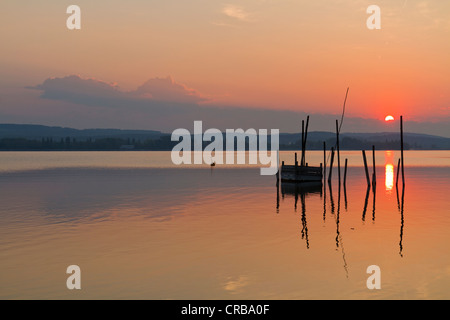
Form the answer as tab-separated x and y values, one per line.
302	172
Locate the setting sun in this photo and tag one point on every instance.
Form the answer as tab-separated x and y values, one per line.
389	118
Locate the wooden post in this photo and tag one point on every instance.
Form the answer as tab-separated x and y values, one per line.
278	182
306	129
367	169
401	146
331	165
374	175
338	155
324	161
345	172
304	143
398	172
345	195
296	162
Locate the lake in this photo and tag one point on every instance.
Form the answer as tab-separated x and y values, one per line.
140	227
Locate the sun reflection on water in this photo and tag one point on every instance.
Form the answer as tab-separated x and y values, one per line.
389	181
389	171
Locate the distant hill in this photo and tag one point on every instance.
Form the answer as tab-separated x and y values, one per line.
31	131
39	137
383	140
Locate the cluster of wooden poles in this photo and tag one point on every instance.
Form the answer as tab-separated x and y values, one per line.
374	178
332	160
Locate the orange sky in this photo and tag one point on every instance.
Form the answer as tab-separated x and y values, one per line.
286	54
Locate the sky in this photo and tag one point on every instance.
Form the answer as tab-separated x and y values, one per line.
143	64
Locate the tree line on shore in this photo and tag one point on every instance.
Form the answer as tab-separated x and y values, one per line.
164	143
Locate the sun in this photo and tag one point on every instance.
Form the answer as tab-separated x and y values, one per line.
389	118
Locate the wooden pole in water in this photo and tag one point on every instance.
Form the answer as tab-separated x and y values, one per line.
374	175
338	155
304	143
278	166
331	165
398	172
324	162
401	145
345	172
365	167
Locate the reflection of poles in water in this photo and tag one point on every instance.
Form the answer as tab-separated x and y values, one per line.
401	149
324	180
374	174
278	197
374	189
301	191
278	182
401	208
321	192
331	197
304	225
345	184
324	201
324	163
338	216
331	165
339	242
365	203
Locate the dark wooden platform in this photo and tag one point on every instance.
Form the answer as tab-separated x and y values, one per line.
294	173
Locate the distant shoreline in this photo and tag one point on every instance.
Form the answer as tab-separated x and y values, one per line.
165	150
44	138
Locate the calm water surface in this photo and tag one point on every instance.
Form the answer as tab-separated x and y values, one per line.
141	228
